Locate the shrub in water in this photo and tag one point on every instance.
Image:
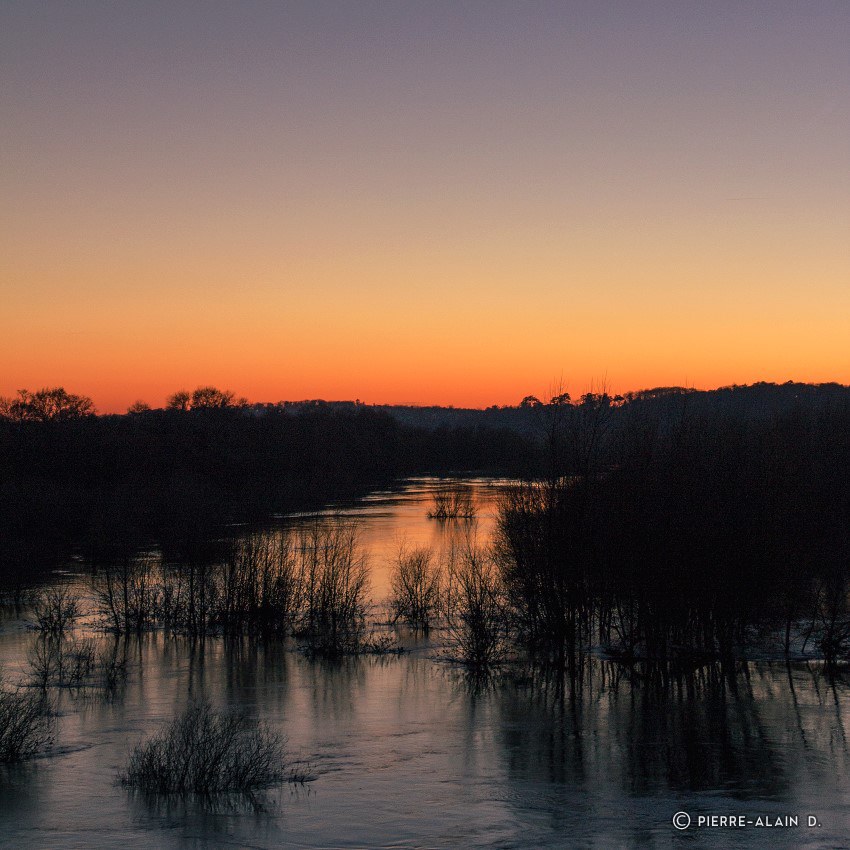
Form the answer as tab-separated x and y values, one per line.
415	588
128	594
66	663
205	752
25	725
452	503
55	610
335	581
475	607
260	586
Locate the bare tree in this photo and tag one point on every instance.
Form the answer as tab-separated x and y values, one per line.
181	400
334	580
415	586
475	606
204	398
50	404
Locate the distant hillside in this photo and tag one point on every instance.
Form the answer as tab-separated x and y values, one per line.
746	402
110	483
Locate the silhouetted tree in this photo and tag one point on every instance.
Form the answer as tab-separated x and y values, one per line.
50	404
204	398
181	400
530	401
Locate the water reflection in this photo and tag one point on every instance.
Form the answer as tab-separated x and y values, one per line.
755	737
703	731
388	519
411	752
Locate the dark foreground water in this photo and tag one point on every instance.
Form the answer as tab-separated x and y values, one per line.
407	752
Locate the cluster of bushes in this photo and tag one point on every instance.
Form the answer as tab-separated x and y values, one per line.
206	752
58	657
452	503
311	582
684	534
26	725
661	530
463	596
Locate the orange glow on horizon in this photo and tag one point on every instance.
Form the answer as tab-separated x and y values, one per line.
459	211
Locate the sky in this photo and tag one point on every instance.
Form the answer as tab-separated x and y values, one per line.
422	202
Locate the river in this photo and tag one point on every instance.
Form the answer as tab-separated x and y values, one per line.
407	752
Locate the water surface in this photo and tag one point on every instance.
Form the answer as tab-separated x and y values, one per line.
409	752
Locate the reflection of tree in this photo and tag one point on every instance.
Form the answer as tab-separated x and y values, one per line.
254	670
650	730
335	688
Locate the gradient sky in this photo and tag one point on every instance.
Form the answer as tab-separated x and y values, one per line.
432	202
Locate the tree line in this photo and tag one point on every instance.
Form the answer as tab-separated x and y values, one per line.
107	484
663	529
666	523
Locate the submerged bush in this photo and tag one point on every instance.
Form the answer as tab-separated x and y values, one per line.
260	586
25	724
128	594
111	667
75	663
56	609
415	584
831	619
203	751
475	607
66	663
334	579
454	503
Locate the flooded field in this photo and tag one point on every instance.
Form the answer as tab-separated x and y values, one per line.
407	751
